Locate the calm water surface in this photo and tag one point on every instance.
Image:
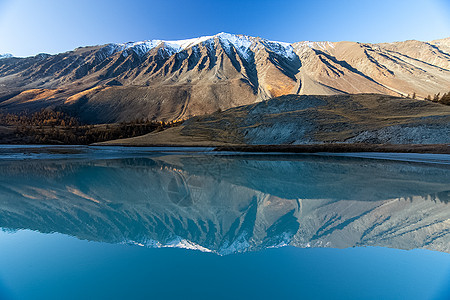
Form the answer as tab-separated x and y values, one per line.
112	223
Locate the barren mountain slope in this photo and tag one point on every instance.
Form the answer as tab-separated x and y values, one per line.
179	79
292	119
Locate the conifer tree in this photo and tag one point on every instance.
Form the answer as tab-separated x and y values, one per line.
445	99
436	97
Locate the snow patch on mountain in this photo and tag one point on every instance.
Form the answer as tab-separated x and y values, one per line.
140	48
280	48
108	50
6	55
177	242
240	42
143	47
240	244
184	44
186	244
316	45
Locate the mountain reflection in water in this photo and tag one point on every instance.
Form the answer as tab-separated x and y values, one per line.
231	204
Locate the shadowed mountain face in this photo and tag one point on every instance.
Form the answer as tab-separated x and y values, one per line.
179	79
231	204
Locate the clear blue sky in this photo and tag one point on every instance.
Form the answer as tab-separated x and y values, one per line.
28	27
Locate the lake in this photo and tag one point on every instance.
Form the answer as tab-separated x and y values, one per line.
140	223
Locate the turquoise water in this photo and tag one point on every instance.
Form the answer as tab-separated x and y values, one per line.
138	224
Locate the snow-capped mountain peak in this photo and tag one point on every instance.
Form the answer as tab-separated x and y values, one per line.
140	48
187	43
281	48
241	43
143	47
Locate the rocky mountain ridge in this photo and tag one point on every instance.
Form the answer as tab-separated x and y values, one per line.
167	80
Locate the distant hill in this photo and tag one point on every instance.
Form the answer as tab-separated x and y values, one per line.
168	80
293	119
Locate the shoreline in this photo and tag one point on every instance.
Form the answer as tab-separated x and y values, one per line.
435	154
313	148
309	148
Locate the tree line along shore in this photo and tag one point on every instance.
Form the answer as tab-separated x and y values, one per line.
49	126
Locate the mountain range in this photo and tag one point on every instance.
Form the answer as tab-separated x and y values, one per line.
169	80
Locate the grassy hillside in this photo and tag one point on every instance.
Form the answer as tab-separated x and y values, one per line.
293	119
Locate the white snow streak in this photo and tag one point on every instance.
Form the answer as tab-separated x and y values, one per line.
244	45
